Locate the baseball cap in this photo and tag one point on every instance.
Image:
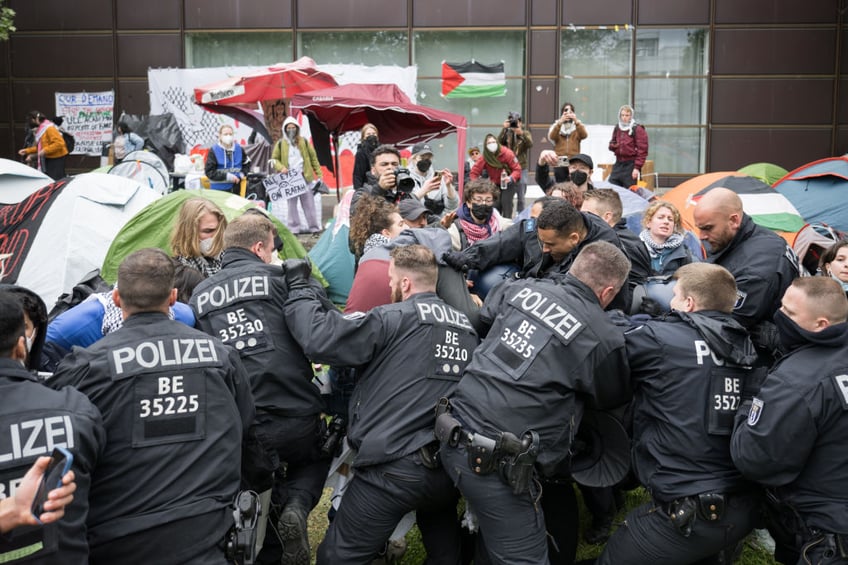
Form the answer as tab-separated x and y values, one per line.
583	158
422	147
411	209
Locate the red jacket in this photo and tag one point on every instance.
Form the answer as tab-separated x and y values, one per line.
629	147
506	157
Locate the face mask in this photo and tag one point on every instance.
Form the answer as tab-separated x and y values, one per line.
29	341
492	147
227	139
291	133
792	336
579	177
372	142
206	245
840	281
424	165
482	211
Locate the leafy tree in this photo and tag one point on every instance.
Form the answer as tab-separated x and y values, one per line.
7	16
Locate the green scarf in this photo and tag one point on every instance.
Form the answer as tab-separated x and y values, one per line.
492	158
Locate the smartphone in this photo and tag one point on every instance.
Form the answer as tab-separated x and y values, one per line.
562	161
60	464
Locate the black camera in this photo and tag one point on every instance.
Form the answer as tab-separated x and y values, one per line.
403	181
513	119
331	446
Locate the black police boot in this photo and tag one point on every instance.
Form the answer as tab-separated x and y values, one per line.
600	531
295	538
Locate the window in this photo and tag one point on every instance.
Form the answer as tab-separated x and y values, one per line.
237	49
355	47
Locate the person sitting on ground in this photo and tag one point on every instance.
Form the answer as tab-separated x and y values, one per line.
413	212
834	263
477	218
197	239
434	188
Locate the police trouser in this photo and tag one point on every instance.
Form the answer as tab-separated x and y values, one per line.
512	526
559	503
294	445
651	535
378	497
824	548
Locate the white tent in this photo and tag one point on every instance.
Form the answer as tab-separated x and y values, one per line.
62	232
17	181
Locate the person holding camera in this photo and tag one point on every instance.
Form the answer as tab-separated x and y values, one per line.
515	137
386	179
567	132
501	164
434	188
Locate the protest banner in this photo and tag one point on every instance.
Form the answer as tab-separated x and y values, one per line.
88	117
282	186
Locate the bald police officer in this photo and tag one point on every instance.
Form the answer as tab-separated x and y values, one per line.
688	371
33	420
175	403
520	400
793	439
412	353
242	304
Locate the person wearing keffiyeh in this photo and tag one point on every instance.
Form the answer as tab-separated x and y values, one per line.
662	235
476	219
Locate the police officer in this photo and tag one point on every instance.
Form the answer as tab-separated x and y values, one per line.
175	403
521	398
688	372
793	440
414	352
759	259
33	420
243	305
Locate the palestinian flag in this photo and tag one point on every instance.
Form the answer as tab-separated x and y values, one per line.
473	80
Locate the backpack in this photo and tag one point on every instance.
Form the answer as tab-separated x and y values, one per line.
70	142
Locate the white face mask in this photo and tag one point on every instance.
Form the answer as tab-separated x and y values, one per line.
227	139
492	147
206	245
29	340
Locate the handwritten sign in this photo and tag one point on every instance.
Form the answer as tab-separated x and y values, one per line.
282	186
88	117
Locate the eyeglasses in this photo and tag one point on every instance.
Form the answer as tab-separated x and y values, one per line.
483	202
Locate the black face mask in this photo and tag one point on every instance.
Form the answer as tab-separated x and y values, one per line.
482	211
424	165
792	336
579	177
371	142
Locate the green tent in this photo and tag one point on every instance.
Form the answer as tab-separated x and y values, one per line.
152	226
766	172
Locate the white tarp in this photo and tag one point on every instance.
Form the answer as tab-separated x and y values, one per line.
17	181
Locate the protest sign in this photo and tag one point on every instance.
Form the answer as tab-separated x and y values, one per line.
88	117
282	186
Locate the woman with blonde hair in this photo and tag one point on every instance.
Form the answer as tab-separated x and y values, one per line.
369	139
662	235
197	239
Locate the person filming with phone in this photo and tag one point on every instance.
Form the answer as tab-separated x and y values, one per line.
36	421
519	141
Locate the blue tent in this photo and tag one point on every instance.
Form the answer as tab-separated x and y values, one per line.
819	191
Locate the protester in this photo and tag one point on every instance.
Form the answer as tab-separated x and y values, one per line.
197	239
293	152
49	149
434	188
126	141
629	143
518	139
503	169
477	218
368	142
227	164
834	263
567	132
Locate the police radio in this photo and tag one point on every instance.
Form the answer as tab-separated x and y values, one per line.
241	540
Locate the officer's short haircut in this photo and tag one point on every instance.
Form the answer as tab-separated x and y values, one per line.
382	150
145	280
654	207
420	262
825	298
244	231
12	325
480	186
712	286
608	201
600	265
561	217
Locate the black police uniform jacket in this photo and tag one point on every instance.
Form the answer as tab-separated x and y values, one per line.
242	305
175	404
412	352
34	419
688	372
795	433
763	266
550	348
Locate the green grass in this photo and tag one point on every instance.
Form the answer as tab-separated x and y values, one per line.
752	554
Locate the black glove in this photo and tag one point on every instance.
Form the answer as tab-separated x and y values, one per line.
766	338
297	273
455	260
651	307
